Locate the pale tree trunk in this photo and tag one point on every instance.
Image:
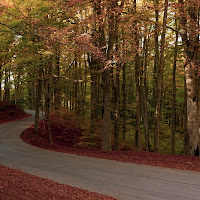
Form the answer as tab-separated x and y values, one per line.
190	39
173	113
159	81
192	123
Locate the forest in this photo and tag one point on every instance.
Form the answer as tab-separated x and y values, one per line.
128	71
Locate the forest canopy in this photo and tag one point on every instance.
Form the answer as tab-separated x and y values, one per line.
128	70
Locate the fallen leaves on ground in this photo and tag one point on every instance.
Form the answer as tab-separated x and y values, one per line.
16	185
10	112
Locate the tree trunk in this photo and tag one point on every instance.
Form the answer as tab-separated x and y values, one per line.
145	96
138	100
76	87
186	137
124	103
116	96
156	61
159	82
57	92
190	40
47	107
106	127
198	102
173	113
38	99
93	114
192	123
137	82
6	87
0	82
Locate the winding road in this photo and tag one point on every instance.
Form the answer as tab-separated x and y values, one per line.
125	181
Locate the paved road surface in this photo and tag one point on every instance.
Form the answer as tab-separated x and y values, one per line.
122	180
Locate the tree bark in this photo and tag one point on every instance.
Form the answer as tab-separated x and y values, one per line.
0	82
137	83
145	96
186	137
173	113
106	126
47	106
93	114
38	99
57	92
156	60
6	86
124	103
190	40
159	81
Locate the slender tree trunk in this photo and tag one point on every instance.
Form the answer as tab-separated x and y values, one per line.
186	136
198	101
6	86
76	86
57	92
159	82
145	96
116	96
156	60
173	114
138	101
116	84
0	82
106	127
93	114
137	82
38	99
47	108
124	102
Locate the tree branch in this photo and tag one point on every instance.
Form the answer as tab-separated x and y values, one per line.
11	28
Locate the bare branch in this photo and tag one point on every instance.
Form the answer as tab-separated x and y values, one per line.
11	28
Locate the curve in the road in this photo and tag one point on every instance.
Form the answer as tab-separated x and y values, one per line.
121	180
